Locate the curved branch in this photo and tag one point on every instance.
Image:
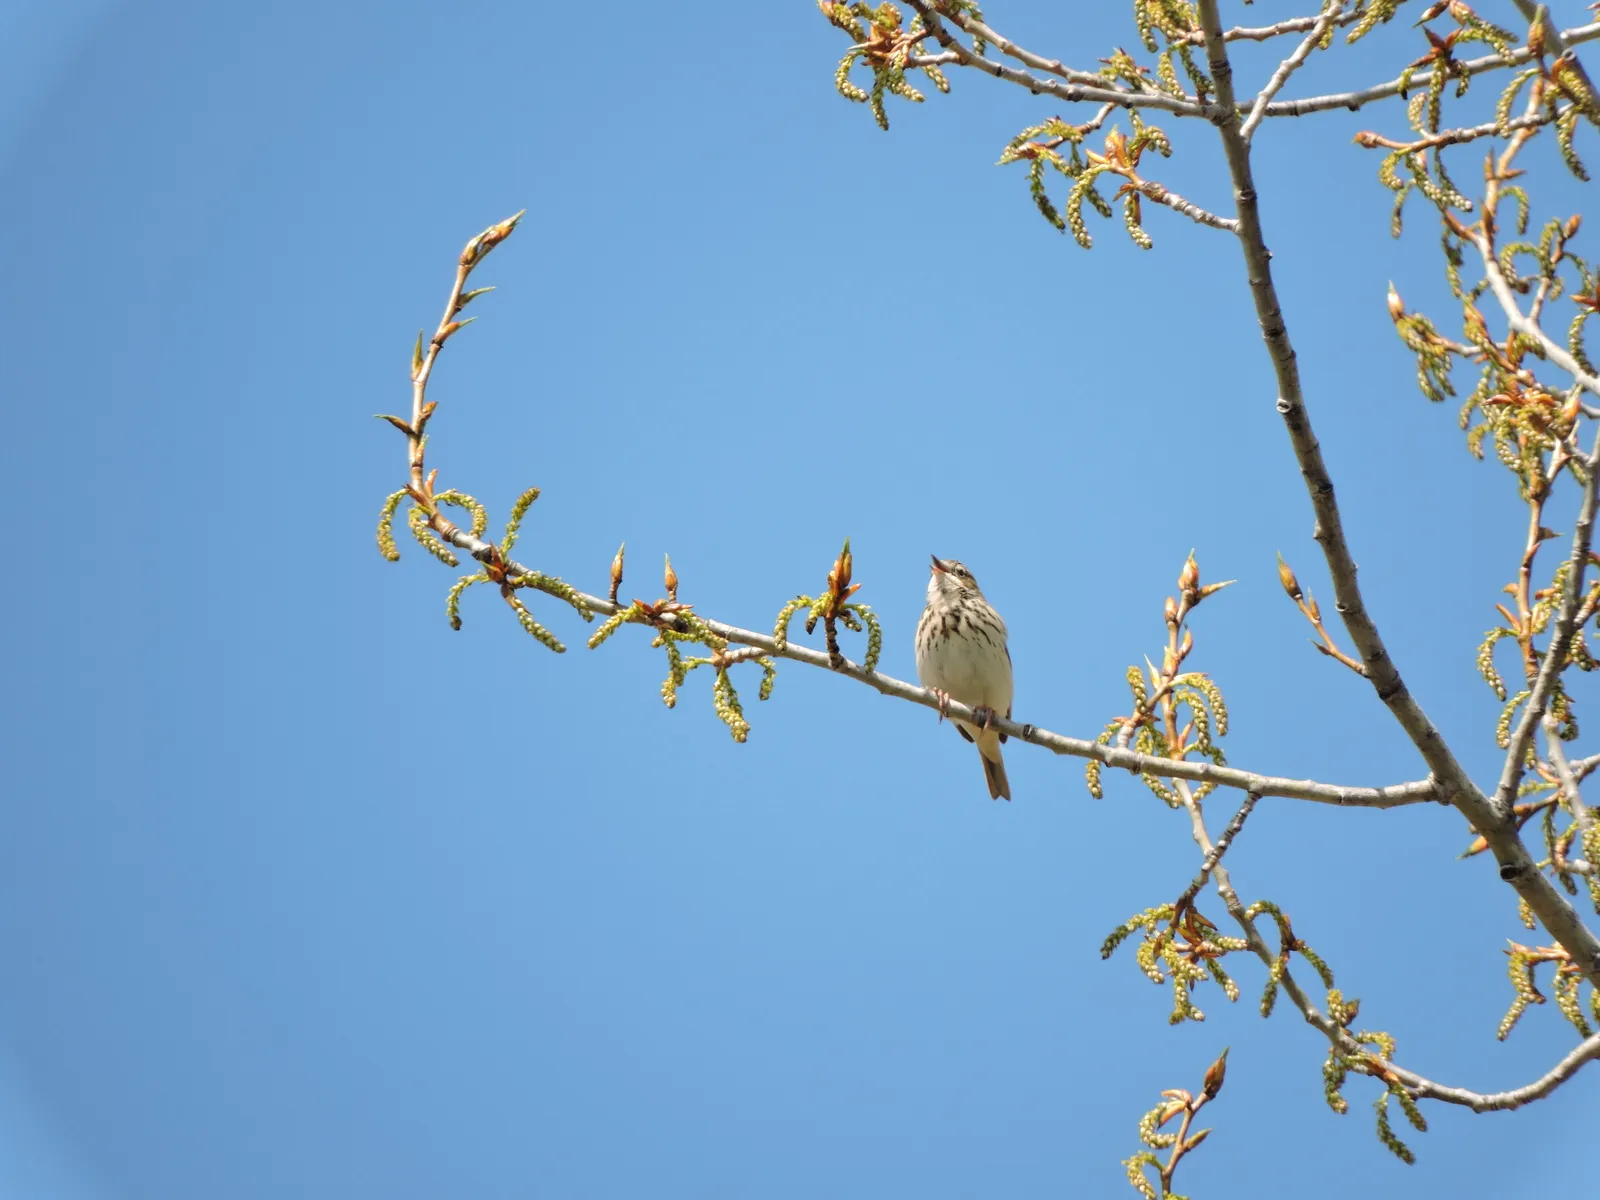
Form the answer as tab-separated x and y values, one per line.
1420	1086
1517	866
1329	531
1585	1051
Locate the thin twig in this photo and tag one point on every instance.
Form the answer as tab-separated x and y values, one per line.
1581	815
1453	137
1518	320
1557	651
1264	33
1194	212
1289	66
1417	83
1214	855
1102	92
1010	49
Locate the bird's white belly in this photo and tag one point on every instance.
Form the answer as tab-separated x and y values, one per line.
975	671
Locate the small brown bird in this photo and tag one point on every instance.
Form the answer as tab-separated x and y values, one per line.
962	655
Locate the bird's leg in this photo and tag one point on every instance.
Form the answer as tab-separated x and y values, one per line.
985	716
944	702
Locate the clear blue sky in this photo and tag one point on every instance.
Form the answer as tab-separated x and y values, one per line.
305	895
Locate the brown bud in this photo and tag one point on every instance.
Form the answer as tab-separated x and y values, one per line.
1186	645
1291	585
1396	309
1196	1140
670	577
1189	577
1570	229
1314	609
616	572
839	573
1215	1074
1172	611
1569	410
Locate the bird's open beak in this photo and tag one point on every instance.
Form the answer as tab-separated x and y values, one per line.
937	565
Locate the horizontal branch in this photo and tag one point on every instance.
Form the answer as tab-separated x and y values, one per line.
1394	796
1194	212
1455	137
1585	1051
1418	82
1263	33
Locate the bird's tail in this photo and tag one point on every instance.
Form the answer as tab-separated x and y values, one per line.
994	767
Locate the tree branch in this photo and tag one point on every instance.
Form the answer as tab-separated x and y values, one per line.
1194	212
1519	321
1340	1038
1010	49
1555	656
1454	137
1267	32
1100	92
1419	82
1289	66
1329	531
1581	814
1585	1051
1555	659
1516	865
1393	796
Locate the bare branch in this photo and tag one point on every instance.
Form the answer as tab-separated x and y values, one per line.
1419	82
1453	137
1585	1051
1214	855
1193	211
1581	814
1289	66
1264	33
